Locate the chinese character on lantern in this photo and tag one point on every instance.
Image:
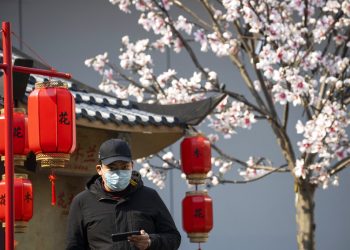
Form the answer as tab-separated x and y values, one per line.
197	215
20	136
196	158
23	195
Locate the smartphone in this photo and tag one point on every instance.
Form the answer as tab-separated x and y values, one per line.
124	236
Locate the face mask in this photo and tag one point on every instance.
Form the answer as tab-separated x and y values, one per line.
117	180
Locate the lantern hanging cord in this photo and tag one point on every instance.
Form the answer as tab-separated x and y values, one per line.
33	51
52	178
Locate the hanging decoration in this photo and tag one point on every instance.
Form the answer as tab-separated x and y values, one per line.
23	201
196	158
8	69
51	123
20	136
197	207
52	179
197	215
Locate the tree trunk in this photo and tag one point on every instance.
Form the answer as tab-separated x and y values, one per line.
305	205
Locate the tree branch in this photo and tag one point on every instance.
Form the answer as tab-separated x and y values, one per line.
193	14
125	77
263	87
233	159
285	116
282	137
339	166
235	60
183	41
224	181
258	72
242	99
171	164
310	48
245	165
347	101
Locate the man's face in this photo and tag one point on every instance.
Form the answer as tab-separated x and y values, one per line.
117	165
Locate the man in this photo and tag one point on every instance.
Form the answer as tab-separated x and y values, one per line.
116	201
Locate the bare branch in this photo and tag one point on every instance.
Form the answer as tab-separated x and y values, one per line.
224	181
347	101
339	166
242	99
345	48
282	169
171	164
125	77
233	159
268	96
306	11
193	14
245	165
161	168
285	116
285	144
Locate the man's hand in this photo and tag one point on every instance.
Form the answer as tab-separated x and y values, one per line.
142	241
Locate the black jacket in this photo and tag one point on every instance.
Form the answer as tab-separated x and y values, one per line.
96	214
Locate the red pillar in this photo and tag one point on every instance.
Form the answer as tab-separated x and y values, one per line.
7	67
8	105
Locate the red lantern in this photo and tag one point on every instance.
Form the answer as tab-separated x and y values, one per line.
197	215
51	123
196	158
20	136
23	195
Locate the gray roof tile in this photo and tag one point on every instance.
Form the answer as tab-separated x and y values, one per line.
107	109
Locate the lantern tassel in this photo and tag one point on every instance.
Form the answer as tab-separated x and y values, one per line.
199	246
52	178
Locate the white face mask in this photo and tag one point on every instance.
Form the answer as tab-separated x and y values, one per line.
117	180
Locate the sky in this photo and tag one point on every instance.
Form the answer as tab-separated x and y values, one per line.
260	215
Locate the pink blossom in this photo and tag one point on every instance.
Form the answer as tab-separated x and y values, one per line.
142	5
122	4
251	172
339	39
167	4
248	120
183	24
332	6
346	7
178	45
163	78
98	62
299	169
290	63
213	138
200	36
321	28
281	95
232	7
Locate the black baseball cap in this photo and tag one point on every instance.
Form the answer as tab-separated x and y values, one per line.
114	150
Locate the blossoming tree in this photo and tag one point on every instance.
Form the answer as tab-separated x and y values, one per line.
291	54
